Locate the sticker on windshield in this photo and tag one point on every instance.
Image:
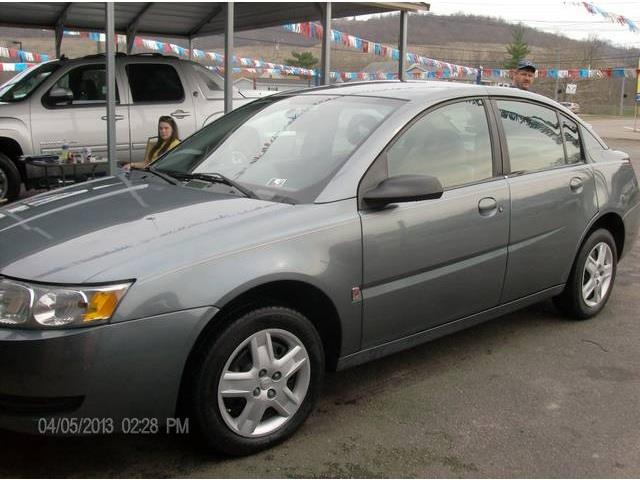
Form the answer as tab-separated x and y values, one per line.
276	182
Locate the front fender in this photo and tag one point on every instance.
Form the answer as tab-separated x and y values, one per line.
319	245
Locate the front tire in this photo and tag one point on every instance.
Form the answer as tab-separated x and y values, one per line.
592	277
9	179
257	380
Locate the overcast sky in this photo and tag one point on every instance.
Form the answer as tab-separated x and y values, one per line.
554	16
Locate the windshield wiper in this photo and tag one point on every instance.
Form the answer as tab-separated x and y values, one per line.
164	176
214	177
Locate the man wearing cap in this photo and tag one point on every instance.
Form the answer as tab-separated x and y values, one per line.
523	76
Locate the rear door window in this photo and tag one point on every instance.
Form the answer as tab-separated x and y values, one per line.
571	136
154	83
533	136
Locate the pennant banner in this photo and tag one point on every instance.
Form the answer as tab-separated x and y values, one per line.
315	31
437	68
22	55
612	17
15	67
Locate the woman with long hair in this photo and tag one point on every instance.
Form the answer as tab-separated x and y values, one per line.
167	139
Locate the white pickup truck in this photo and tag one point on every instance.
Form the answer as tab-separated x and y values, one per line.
63	102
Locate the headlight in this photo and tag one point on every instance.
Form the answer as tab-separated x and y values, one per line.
26	305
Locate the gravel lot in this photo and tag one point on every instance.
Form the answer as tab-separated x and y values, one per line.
526	395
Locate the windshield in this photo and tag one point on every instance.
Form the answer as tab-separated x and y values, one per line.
282	148
23	84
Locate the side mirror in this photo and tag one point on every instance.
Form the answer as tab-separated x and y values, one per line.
59	95
404	188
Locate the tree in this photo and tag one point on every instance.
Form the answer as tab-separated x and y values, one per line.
517	49
302	59
593	48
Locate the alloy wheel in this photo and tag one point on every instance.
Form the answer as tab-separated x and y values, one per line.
263	383
597	274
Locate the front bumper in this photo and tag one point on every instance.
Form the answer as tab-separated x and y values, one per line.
125	370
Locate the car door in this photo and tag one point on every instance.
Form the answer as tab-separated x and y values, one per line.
79	120
156	89
430	262
553	195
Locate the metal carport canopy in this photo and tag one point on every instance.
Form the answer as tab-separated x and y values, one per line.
189	20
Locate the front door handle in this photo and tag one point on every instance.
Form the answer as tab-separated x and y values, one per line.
487	206
179	114
117	117
576	184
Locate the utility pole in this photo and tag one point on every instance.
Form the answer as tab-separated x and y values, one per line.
624	78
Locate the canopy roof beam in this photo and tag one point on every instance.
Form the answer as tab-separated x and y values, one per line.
214	13
132	28
60	27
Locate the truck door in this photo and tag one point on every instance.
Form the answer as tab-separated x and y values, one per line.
156	89
79	118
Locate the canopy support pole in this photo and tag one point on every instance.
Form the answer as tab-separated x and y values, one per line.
402	46
325	79
228	58
111	88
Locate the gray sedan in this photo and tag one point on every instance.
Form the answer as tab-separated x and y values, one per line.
302	232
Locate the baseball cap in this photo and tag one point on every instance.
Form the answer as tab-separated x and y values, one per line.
524	63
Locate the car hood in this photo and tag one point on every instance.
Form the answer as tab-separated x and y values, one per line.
117	228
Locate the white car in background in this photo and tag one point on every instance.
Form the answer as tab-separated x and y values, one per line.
574	107
64	102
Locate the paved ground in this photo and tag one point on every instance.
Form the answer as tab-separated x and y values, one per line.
526	395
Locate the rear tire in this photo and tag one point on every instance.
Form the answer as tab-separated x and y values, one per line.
592	277
256	381
9	179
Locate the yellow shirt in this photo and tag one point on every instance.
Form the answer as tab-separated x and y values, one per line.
148	161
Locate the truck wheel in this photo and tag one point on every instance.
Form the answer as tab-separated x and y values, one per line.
9	179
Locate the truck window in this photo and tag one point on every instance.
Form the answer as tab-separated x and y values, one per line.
23	84
154	82
87	84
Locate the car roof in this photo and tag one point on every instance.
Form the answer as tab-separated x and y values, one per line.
420	90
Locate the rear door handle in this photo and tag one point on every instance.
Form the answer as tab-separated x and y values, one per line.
179	114
576	184
487	206
117	117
